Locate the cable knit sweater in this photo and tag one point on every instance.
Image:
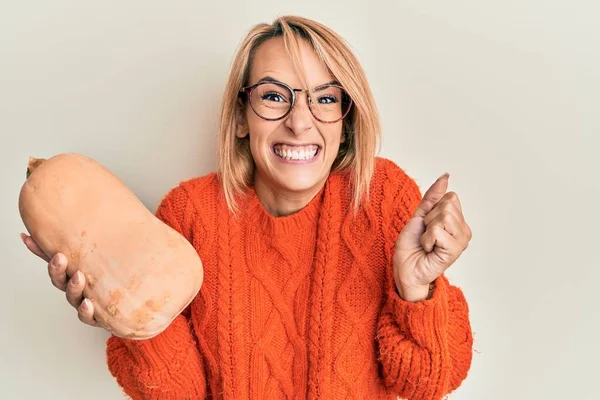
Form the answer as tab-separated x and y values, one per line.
301	306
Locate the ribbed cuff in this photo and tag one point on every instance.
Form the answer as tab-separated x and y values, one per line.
171	344
424	321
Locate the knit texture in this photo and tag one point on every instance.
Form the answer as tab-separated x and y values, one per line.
302	306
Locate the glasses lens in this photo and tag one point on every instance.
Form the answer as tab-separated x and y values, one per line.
330	103
271	100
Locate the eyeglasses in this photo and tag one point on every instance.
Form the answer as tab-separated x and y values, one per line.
273	100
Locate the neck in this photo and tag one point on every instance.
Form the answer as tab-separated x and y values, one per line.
280	203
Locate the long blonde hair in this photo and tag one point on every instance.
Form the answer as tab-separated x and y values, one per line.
361	126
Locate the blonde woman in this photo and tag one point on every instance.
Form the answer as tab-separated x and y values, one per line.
323	264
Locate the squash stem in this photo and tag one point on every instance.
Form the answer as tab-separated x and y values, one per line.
33	164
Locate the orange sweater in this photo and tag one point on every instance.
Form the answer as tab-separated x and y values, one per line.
302	306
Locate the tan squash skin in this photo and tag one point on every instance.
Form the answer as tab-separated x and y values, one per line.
140	273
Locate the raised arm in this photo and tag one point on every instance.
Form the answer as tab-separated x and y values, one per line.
425	346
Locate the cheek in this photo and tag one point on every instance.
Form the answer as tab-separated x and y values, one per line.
333	138
259	134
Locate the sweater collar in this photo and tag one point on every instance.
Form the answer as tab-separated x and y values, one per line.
306	216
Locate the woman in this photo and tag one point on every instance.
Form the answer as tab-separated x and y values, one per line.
323	264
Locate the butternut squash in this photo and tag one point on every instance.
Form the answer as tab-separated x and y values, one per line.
140	273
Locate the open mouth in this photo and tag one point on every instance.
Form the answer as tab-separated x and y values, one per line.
296	153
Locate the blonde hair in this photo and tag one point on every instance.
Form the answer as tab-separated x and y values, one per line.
361	126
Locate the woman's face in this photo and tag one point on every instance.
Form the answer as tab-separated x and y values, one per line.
293	155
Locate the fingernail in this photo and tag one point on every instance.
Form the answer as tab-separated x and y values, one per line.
55	261
444	175
23	236
76	278
85	304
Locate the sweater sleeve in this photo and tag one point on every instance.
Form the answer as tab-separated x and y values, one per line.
425	348
169	365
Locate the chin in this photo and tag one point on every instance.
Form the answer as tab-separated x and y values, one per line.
298	183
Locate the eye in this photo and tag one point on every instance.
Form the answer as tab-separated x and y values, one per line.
274	96
328	100
328	95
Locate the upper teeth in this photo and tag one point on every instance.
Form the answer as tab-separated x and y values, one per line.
296	153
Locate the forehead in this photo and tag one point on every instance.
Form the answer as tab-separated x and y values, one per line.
272	59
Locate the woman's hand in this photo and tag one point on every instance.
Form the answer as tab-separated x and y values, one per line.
72	286
430	242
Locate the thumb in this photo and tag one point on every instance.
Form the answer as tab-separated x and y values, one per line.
433	195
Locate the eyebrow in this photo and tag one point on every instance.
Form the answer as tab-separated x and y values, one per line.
271	79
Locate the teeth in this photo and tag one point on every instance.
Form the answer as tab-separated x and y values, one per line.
297	154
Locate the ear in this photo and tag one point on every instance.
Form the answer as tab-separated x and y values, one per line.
242	129
343	138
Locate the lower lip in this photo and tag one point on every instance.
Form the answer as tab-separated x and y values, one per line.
286	161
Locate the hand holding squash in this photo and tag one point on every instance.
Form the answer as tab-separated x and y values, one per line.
139	272
73	286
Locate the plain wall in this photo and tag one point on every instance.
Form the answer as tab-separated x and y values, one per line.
503	95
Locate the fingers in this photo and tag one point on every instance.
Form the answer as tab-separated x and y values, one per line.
449	203
447	222
33	247
57	270
453	198
85	312
447	248
75	289
432	196
443	255
468	231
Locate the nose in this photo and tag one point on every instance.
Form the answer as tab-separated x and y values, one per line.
300	119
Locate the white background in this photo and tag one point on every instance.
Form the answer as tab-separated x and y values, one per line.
503	95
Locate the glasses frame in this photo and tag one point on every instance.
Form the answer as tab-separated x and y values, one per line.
249	89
